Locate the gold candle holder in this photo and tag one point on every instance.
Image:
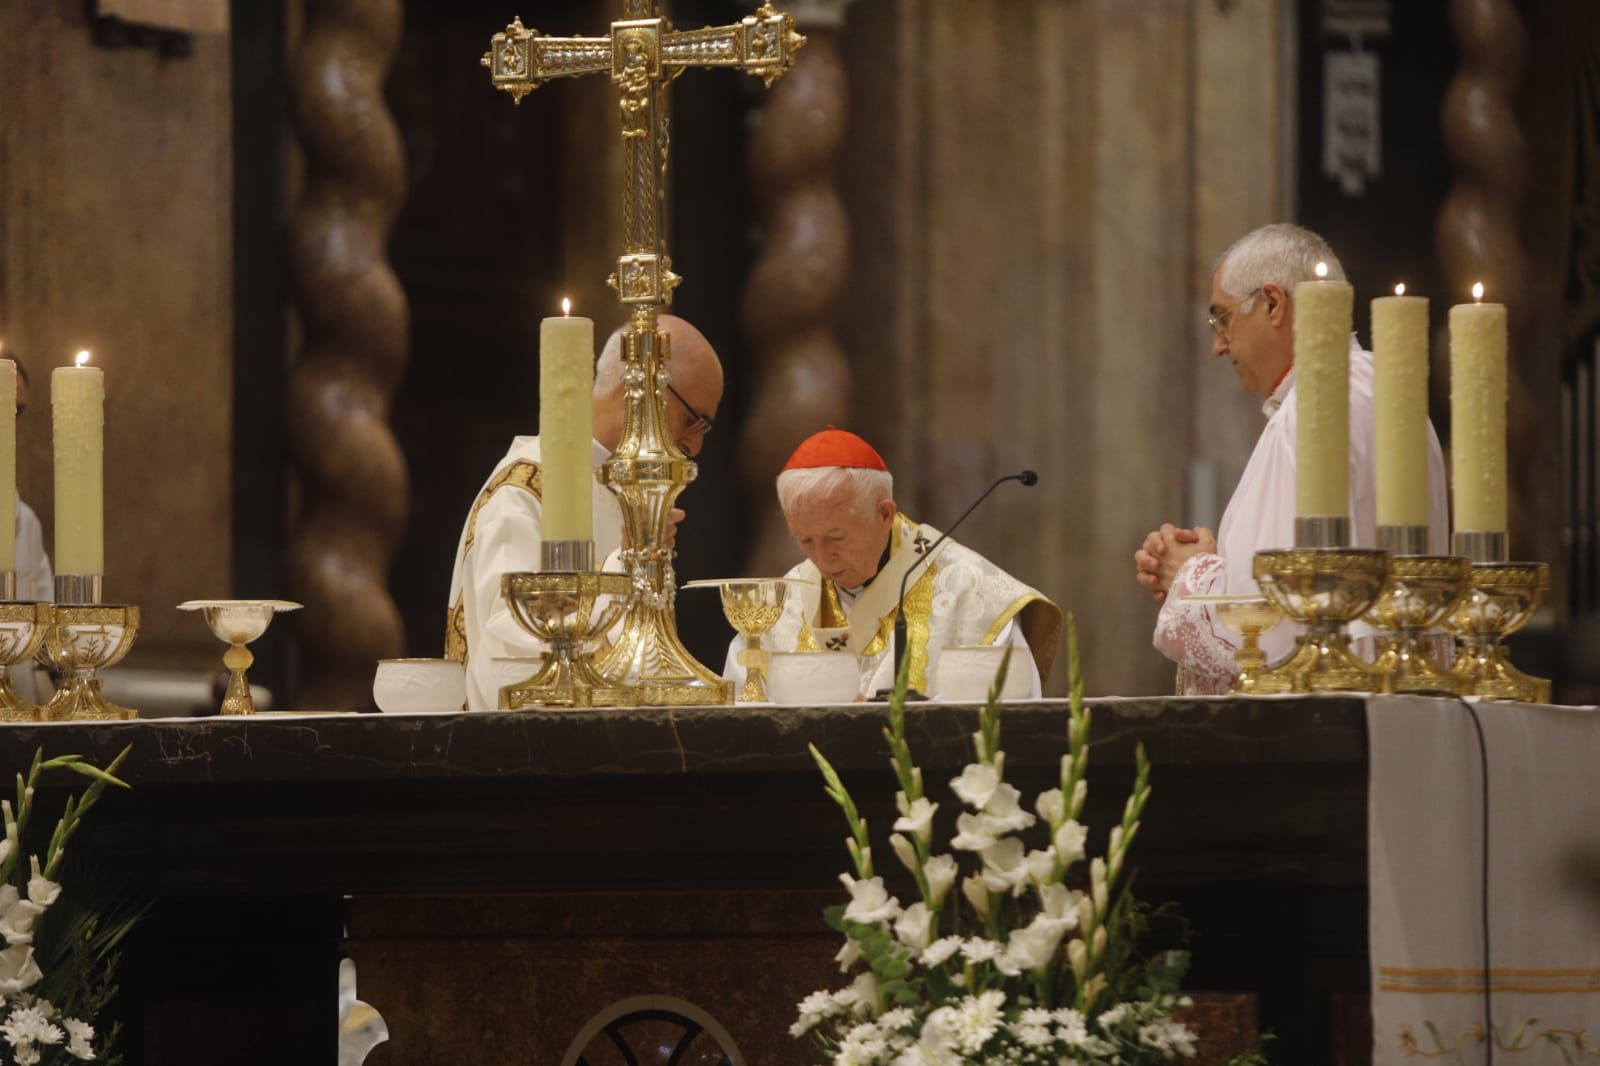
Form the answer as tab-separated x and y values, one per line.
559	608
237	623
1324	590
1500	600
80	641
22	630
1422	590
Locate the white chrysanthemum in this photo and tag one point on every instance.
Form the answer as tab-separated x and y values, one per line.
1112	1017
897	1020
940	870
813	1010
940	950
1168	1037
976	785
977	1018
1035	1036
977	949
80	1039
869	902
1036	1016
918	821
31	1025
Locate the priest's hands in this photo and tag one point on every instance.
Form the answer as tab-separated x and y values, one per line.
1164	552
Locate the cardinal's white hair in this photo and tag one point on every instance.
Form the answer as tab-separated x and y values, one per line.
867	487
1281	254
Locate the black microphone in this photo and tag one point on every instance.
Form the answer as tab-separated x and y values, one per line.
1028	478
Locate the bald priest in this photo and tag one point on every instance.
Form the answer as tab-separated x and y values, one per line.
837	496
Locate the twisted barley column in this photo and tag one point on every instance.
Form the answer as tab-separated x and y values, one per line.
350	470
1478	240
802	379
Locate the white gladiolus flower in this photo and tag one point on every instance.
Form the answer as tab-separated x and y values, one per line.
1097	884
1077	958
918	820
18	969
869	903
1059	901
1003	867
41	890
1004	810
904	851
1069	841
976	785
1080	792
1052	807
1110	1018
915	926
973	833
1033	948
1085	910
1041	866
1115	841
940	950
10	843
866	990
940	870
17	916
1171	1038
848	955
80	1037
977	894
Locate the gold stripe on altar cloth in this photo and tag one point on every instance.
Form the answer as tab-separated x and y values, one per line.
1470	981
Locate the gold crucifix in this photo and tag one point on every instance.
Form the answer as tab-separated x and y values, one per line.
643	53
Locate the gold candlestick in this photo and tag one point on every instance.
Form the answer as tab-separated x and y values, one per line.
1501	599
1422	590
1323	589
558	607
80	641
22	629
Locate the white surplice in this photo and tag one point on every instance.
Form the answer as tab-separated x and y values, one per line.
35	582
502	535
1261	515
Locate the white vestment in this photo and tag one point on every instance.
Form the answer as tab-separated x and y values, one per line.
502	535
35	582
1261	515
957	598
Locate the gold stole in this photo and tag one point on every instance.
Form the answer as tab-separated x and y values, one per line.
521	474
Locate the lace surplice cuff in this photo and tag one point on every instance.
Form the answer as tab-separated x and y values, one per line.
1187	634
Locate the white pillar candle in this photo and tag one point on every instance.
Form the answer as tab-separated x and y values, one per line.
566	426
1322	316
1478	415
1400	367
8	464
77	405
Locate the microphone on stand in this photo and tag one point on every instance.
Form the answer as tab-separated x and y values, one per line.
1028	478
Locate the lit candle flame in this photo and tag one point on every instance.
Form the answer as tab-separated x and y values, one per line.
566	307
1322	270
1477	291
1400	289
82	358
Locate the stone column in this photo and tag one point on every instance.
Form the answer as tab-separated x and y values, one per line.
802	378
350	472
1478	238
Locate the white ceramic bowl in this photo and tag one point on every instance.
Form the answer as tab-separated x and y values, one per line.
964	674
813	678
410	686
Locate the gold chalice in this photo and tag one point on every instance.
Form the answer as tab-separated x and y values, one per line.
237	623
22	627
1248	616
1323	589
1499	602
559	608
81	640
752	606
1421	591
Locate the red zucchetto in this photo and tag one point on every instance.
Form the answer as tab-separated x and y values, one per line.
835	447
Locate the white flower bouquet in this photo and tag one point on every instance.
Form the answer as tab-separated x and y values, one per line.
1037	968
55	971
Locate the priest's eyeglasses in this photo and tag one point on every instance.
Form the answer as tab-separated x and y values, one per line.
702	424
1221	322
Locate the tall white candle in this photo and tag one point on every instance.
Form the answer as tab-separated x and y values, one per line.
77	405
1400	369
566	425
1322	316
8	464
1478	415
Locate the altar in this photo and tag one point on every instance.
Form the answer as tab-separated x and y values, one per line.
502	879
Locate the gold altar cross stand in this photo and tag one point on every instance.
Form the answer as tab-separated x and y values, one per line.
643	53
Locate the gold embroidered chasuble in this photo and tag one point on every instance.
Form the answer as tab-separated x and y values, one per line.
958	598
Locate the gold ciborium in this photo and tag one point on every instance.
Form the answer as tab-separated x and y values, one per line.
559	608
22	627
237	623
1421	591
752	606
81	640
1323	589
1501	598
1248	616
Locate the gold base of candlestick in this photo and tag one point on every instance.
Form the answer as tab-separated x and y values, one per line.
1422	590
80	641
1323	589
22	629
1503	596
558	608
